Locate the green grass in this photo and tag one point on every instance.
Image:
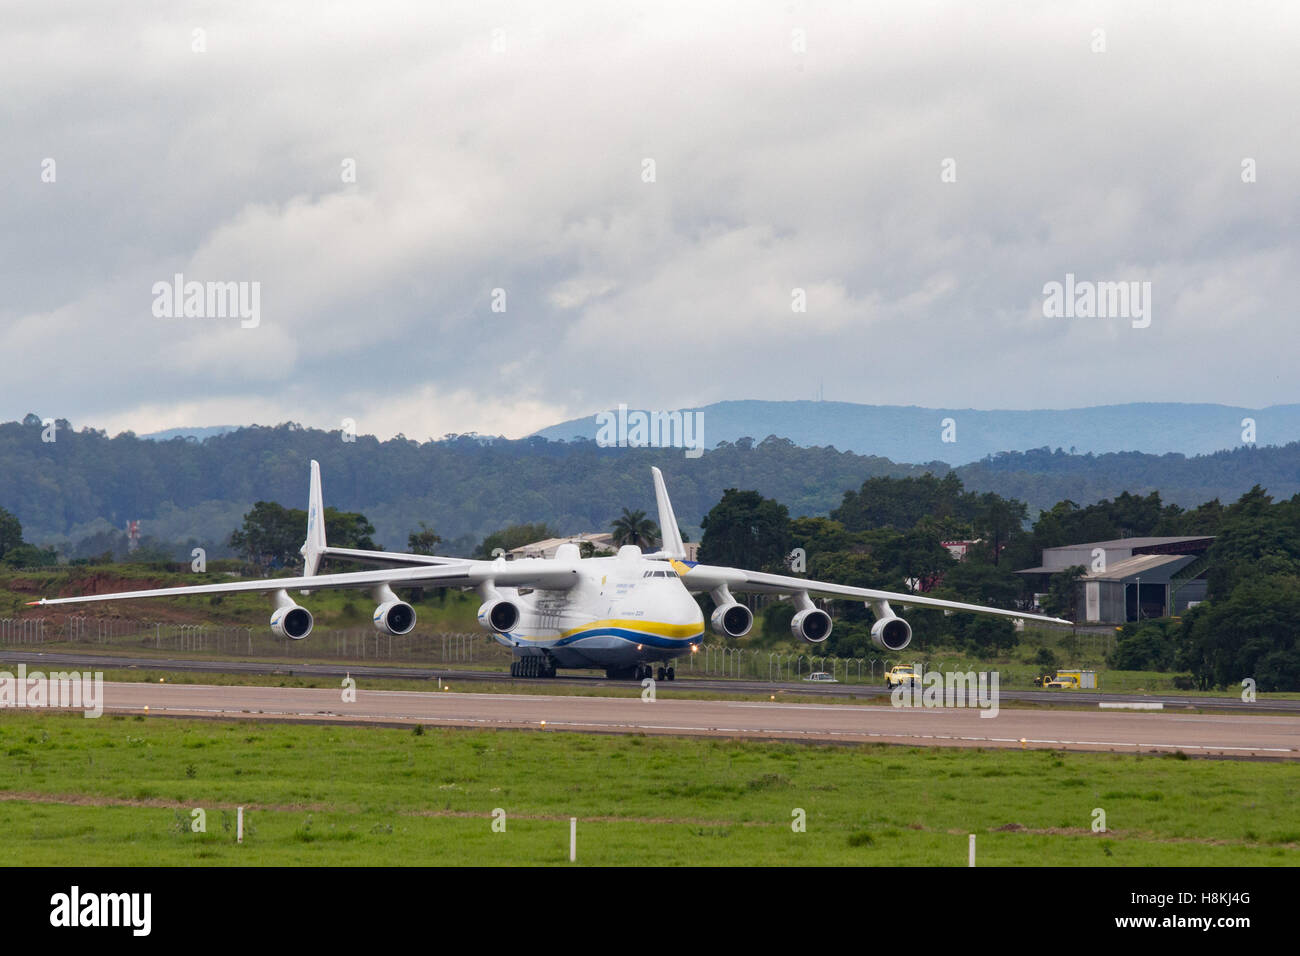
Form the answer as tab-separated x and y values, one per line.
120	790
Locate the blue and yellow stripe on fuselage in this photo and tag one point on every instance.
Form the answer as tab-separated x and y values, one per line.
613	640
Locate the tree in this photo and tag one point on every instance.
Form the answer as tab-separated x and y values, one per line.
985	635
975	581
914	560
998	519
273	534
1062	592
29	556
899	503
745	529
1256	537
424	541
1252	633
1146	646
11	532
633	527
343	529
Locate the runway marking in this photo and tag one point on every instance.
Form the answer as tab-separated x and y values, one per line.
1130	705
815	734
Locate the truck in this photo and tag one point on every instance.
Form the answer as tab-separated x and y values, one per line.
1069	680
901	674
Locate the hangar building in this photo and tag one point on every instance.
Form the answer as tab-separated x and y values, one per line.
1130	578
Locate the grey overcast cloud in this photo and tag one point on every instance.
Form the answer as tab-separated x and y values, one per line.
668	204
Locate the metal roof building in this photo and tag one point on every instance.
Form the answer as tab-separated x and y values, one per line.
1131	578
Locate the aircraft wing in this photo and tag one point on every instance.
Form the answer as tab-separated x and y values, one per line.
530	573
703	577
387	559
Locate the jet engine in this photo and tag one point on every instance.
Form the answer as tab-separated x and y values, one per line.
292	621
732	620
811	626
395	617
891	633
499	615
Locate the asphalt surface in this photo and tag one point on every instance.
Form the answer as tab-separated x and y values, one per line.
686	683
1153	732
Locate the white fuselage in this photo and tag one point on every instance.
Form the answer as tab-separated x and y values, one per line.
624	610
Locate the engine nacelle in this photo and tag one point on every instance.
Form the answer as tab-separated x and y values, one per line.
499	615
395	617
292	621
732	620
891	633
811	626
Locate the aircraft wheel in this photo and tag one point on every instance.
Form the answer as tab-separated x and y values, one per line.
662	675
672	673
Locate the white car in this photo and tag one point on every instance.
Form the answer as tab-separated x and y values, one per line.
821	677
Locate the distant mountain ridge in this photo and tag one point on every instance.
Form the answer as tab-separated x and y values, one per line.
86	486
916	434
198	434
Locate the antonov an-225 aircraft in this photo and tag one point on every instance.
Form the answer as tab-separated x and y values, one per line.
623	614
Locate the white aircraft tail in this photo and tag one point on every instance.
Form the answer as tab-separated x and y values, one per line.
314	547
671	535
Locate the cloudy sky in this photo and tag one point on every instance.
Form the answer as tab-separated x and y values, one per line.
648	184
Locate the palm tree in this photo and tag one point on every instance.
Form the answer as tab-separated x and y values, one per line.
633	527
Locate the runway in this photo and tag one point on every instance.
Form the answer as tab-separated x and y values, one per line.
1058	698
1275	736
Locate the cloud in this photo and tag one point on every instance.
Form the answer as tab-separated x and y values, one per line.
499	148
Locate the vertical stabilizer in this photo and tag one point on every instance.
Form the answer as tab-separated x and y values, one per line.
672	546
315	543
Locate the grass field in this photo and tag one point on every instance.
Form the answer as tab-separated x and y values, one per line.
120	791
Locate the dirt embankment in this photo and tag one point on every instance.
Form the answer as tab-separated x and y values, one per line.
74	583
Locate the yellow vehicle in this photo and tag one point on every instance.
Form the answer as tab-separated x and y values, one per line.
902	674
1068	680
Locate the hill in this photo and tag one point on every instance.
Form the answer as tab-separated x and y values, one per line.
913	433
466	487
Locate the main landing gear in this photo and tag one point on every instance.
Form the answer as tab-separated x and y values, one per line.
532	667
641	672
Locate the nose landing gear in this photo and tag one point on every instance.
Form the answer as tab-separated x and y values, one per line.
533	667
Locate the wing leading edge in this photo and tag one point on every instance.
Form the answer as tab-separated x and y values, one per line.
531	573
704	577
